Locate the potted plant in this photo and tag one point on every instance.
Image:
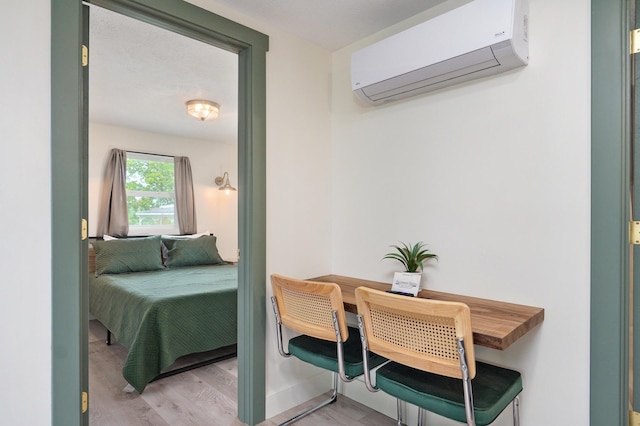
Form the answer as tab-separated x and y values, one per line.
412	257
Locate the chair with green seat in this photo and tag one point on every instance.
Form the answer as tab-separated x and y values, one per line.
433	366
316	310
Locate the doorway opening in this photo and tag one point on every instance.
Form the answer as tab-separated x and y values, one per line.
141	78
69	310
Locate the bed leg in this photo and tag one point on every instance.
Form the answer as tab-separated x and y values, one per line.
108	337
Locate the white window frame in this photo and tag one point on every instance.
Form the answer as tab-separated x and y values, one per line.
138	230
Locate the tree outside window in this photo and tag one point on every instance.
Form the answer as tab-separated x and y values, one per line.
150	193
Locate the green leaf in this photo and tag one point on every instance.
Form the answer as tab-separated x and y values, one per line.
411	256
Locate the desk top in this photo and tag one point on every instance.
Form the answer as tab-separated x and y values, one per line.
495	324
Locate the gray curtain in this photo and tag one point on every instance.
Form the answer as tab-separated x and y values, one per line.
113	219
185	204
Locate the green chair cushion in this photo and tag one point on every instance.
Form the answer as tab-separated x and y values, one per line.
493	389
323	353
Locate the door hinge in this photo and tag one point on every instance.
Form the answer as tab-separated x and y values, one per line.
85	402
85	55
634	418
634	41
84	229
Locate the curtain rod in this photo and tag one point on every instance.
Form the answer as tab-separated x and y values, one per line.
151	153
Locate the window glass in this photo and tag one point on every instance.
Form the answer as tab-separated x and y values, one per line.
151	194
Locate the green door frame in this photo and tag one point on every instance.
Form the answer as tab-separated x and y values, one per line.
66	216
66	192
610	171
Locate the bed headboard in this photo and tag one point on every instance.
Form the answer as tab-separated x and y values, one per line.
92	260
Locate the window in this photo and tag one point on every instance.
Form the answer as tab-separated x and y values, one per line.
151	194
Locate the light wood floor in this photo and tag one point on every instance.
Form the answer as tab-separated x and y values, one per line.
205	396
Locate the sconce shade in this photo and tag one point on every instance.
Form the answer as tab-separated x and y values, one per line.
223	182
203	110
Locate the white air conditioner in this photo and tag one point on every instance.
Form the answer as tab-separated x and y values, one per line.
477	39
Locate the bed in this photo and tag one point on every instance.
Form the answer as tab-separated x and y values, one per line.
162	298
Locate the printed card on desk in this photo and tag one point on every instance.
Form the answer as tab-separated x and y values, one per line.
405	282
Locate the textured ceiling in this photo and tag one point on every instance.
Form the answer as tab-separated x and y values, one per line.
140	76
332	24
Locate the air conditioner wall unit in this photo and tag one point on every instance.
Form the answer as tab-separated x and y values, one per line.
477	39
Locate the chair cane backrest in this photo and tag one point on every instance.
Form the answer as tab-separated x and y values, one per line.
417	332
307	307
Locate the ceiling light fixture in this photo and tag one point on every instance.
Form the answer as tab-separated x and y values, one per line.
224	179
203	110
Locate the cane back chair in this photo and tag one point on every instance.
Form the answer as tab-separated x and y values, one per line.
430	344
316	310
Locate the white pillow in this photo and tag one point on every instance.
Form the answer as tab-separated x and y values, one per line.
187	236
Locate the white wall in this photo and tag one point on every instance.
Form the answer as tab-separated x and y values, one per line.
494	176
216	212
298	195
25	186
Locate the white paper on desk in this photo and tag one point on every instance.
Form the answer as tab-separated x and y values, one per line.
406	282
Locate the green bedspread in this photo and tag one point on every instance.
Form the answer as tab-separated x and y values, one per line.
162	315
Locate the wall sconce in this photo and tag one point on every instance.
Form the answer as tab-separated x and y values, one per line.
223	183
203	110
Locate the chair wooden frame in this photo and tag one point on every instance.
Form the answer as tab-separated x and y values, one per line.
314	309
429	335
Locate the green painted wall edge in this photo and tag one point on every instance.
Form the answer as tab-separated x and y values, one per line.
251	47
609	212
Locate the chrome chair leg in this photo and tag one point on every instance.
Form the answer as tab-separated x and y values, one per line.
516	411
331	400
399	410
420	413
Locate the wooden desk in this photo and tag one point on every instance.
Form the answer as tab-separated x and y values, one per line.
495	324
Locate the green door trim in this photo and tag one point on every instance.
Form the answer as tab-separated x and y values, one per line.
66	140
610	157
66	196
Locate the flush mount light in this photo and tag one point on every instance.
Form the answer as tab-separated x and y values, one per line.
203	110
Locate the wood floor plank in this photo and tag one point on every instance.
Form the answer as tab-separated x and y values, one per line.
204	396
178	401
108	404
220	379
344	411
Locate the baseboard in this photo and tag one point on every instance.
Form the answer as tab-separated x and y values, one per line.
356	390
379	401
302	391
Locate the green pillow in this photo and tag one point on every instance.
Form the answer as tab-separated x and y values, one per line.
192	251
128	255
